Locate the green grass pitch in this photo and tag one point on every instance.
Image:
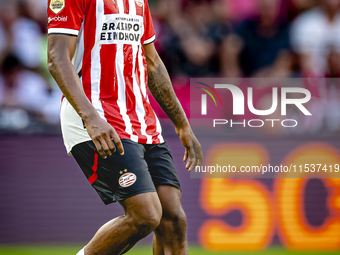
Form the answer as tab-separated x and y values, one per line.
138	250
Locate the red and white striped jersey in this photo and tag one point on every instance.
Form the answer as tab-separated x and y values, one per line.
110	60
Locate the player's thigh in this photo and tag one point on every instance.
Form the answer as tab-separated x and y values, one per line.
143	207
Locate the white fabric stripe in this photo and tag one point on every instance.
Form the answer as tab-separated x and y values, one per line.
136	90
121	82
158	126
142	79
120	5
142	84
132	7
150	40
141	65
95	61
63	31
142	73
79	52
159	129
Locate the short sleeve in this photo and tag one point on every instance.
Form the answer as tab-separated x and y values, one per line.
149	31
65	16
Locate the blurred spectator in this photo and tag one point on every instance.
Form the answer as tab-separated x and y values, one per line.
239	10
296	7
333	64
167	22
22	35
26	99
315	36
23	94
260	45
190	35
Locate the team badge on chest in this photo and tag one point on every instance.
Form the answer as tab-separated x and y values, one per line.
139	3
57	5
127	179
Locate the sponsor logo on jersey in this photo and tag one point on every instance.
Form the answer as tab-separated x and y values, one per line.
121	28
57	5
139	3
57	18
127	180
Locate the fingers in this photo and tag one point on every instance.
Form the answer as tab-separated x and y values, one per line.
199	156
187	166
99	148
105	138
193	162
196	156
186	155
111	145
200	161
105	147
118	143
192	158
106	144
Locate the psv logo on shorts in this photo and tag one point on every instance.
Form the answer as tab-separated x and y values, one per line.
57	5
127	179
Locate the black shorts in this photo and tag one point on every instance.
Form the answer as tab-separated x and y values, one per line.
141	169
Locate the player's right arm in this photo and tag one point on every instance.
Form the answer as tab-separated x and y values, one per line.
61	49
160	86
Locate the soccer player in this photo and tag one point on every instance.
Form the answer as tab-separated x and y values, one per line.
101	54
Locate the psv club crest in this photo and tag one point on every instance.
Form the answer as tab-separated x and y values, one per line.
139	3
127	180
57	5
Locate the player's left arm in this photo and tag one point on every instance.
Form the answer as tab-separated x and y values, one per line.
160	86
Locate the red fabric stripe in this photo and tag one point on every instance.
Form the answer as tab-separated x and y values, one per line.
126	6
152	125
130	96
137	71
94	176
110	7
109	81
109	87
137	75
138	81
139	9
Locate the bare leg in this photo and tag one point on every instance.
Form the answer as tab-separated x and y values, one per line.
171	234
142	216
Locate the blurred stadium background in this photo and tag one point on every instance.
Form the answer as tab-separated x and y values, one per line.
46	205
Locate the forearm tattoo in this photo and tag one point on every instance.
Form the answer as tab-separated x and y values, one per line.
159	84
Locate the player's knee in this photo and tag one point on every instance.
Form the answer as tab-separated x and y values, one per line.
177	218
180	218
147	221
150	221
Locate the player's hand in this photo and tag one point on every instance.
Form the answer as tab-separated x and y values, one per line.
104	137
193	150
